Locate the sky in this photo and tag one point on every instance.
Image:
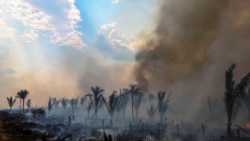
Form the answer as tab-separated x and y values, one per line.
61	48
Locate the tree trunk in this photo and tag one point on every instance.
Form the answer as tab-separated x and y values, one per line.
229	123
88	114
229	120
161	118
95	112
132	107
23	105
20	104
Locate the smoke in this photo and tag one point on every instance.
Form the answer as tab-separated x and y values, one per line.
192	45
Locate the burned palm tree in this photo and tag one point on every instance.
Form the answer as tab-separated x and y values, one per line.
122	102
22	95
96	98
28	103
89	107
111	105
82	101
134	90
234	95
73	103
18	96
151	112
163	104
11	101
64	102
55	102
137	103
247	103
50	103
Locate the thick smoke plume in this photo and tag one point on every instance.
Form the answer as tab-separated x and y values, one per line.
193	43
187	37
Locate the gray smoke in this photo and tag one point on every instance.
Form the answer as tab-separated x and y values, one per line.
192	45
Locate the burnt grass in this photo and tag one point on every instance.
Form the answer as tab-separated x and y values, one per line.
15	126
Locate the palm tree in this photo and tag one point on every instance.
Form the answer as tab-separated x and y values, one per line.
18	96
111	105
64	102
50	103
73	103
233	95
96	98
28	103
133	91
122	101
11	101
162	104
22	95
247	103
56	102
151	112
138	99
82	101
89	107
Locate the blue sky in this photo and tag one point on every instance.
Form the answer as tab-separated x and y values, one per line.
49	44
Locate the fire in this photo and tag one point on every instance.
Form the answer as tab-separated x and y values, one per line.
248	125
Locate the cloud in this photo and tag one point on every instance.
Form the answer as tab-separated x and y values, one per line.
30	21
111	42
116	37
115	1
71	36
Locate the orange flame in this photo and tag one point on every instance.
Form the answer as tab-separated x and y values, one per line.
248	125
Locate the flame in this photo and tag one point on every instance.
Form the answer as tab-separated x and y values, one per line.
248	125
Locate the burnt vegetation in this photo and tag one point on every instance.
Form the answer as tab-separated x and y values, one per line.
132	114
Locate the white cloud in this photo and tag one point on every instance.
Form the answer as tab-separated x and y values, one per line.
115	1
116	37
71	37
29	36
8	31
30	21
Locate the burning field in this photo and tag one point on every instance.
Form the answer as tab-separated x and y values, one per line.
153	70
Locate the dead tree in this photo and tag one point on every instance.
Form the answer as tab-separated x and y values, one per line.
233	95
163	104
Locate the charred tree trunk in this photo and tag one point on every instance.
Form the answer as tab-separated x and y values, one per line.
229	124
23	105
132	107
95	112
